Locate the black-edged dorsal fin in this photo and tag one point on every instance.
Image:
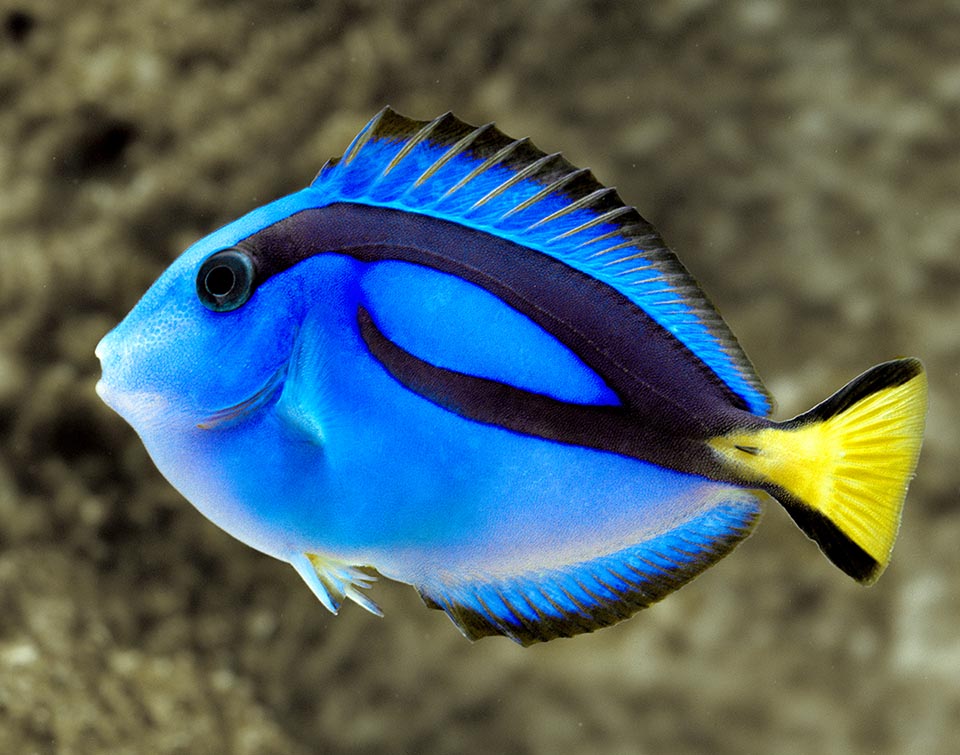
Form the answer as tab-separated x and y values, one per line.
481	178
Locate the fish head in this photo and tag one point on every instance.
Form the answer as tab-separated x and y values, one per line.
203	347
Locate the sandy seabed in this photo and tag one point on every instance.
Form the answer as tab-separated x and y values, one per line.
803	161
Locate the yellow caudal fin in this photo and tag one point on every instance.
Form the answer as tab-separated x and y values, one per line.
842	469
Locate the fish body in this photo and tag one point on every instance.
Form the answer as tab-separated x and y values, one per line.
467	365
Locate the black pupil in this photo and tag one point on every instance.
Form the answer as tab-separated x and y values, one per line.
226	280
220	281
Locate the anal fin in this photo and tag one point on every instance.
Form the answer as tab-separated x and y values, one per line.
538	606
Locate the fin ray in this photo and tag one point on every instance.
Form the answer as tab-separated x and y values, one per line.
565	601
842	469
481	178
334	581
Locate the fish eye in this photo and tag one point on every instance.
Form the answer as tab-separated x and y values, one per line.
225	280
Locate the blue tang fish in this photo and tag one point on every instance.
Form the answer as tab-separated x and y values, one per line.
465	365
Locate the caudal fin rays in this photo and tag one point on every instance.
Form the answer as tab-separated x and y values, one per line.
842	469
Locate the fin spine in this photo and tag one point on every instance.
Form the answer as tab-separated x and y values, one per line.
555	209
541	605
548	190
334	581
494	159
458	148
523	174
604	217
361	139
410	144
588	201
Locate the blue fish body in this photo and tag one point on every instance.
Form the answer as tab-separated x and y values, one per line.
467	365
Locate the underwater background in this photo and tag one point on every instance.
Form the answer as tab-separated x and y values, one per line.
804	163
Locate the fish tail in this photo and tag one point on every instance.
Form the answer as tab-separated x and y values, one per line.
841	470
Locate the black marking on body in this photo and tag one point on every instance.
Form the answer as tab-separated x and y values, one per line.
487	149
616	429
674	400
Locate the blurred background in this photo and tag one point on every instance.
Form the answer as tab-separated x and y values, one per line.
803	161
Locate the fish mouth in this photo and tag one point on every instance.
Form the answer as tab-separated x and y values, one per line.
237	412
114	389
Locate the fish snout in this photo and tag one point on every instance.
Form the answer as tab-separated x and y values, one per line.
119	384
107	354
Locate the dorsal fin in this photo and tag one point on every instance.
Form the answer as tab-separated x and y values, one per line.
481	178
